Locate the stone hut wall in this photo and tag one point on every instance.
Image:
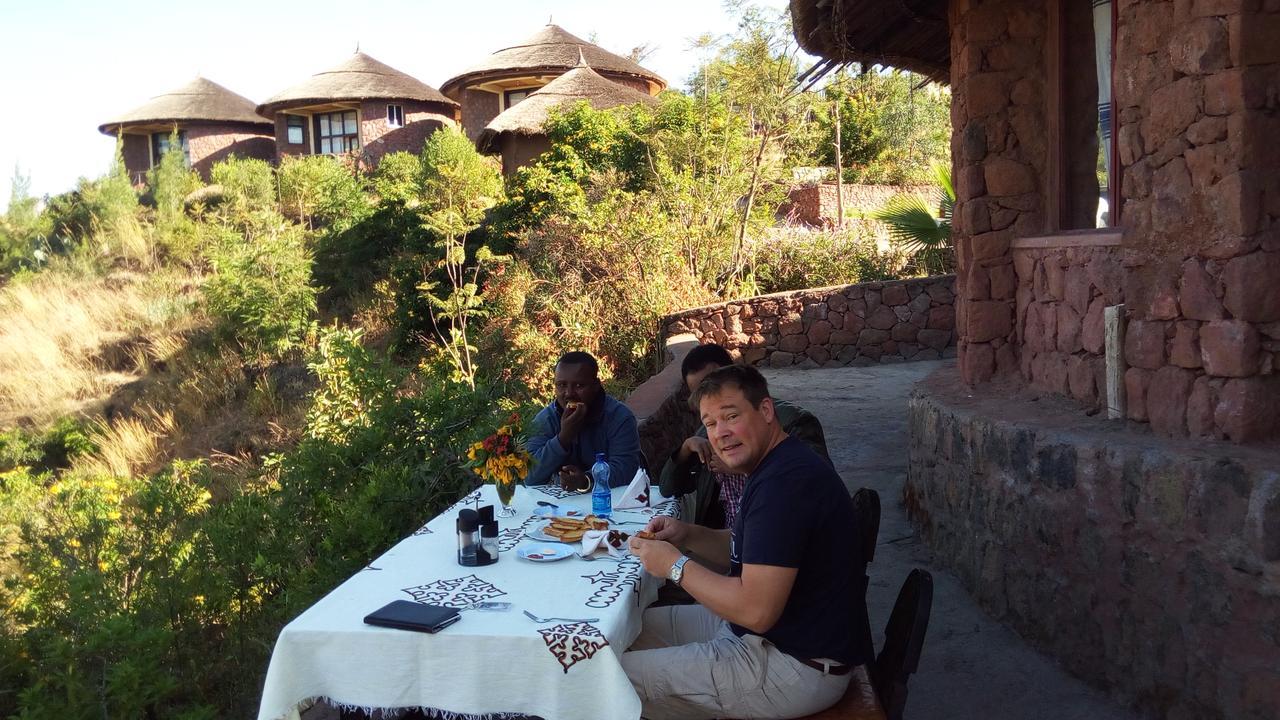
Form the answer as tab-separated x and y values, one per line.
863	324
815	205
1144	565
136	151
420	120
999	150
479	108
209	145
1062	292
1198	101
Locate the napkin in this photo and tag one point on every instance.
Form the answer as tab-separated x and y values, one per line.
593	540
637	494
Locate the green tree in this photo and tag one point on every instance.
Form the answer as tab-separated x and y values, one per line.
23	227
894	126
458	186
170	181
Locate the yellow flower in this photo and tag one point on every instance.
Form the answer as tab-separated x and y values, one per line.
74	542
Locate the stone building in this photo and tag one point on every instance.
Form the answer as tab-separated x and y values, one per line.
512	73
212	122
362	107
517	132
1109	159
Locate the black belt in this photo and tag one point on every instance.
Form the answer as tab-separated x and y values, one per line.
826	668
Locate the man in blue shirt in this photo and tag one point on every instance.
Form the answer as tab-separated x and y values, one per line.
777	636
580	422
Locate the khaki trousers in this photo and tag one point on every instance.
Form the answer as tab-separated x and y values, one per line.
687	663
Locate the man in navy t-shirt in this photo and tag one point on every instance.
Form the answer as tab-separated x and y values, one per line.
776	637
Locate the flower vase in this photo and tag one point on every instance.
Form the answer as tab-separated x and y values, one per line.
506	494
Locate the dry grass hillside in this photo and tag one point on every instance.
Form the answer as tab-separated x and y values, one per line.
127	354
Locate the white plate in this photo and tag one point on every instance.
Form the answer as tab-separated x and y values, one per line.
536	533
545	552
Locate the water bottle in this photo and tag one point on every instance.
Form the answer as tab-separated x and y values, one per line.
601	493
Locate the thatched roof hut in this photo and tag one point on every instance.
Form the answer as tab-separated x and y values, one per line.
200	100
550	51
908	34
580	83
360	77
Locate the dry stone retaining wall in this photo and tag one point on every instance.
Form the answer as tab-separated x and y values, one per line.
1146	566
863	324
816	204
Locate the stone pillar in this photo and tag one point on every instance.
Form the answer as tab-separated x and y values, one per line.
1198	100
998	150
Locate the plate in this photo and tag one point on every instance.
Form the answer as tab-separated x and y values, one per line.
544	552
536	533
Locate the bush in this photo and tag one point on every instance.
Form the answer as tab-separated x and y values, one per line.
792	259
321	192
261	292
248	190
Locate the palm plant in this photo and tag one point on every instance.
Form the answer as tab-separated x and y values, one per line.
914	228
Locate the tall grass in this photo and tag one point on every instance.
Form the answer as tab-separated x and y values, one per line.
66	337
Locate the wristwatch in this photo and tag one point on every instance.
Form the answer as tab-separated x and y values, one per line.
676	573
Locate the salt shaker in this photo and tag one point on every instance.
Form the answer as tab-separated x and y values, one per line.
488	543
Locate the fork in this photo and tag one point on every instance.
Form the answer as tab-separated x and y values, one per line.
537	619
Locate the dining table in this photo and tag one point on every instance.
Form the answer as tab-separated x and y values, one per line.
491	663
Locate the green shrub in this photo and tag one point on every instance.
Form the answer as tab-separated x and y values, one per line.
248	190
169	183
797	259
260	292
321	192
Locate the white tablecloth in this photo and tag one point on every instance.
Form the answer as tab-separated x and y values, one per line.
488	662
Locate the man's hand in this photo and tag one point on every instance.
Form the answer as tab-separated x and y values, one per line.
669	530
696	446
571	423
574	479
657	556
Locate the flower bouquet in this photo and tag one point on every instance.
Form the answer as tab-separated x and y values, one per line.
501	460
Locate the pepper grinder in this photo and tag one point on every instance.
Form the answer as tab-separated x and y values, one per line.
468	537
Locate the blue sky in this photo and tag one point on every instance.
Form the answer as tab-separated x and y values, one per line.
70	65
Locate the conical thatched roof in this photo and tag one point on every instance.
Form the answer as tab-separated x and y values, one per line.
580	83
908	34
200	100
551	50
360	77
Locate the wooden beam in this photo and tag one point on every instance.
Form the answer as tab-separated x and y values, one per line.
1114	324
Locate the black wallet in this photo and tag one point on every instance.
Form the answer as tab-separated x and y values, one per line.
407	615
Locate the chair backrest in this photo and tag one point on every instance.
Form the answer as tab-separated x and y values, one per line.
866	512
866	518
903	641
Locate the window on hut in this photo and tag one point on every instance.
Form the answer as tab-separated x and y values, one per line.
295	124
1086	175
337	133
160	146
511	97
395	115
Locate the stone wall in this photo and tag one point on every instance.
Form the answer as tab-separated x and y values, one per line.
815	205
1061	294
1145	566
998	148
1198	106
420	120
208	145
862	324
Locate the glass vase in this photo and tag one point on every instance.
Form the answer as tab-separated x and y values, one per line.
506	494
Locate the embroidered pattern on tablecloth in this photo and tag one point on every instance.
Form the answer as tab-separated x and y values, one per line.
456	593
557	492
610	585
572	643
511	537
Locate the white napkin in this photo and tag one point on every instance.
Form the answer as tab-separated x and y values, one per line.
637	494
593	540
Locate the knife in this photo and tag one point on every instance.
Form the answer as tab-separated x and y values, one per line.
544	503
